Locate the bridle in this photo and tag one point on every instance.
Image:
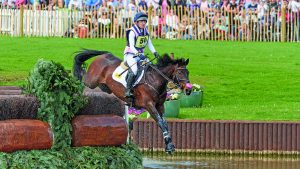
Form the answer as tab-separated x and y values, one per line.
175	80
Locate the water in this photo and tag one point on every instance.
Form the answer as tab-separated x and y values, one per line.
225	162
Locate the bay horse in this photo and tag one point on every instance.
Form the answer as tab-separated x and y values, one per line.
149	93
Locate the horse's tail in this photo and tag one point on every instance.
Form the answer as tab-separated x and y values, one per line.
81	57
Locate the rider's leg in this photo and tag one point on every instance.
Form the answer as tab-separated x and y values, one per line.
130	80
131	74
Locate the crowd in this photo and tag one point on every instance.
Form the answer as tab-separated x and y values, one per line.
185	19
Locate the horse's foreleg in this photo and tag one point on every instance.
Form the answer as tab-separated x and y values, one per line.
163	126
161	110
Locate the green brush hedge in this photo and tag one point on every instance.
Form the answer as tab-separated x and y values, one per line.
126	156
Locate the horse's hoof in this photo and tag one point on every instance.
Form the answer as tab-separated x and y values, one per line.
170	148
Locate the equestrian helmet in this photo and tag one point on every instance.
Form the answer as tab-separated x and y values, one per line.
140	16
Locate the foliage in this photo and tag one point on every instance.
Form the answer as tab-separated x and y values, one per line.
197	88
134	112
126	156
172	96
60	97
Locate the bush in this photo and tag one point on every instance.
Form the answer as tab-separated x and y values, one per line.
126	156
60	96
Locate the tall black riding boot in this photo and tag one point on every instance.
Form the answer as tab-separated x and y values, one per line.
130	80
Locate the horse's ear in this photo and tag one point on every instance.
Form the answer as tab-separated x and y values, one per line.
187	61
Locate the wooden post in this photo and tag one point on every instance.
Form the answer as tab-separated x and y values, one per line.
283	24
21	20
150	17
127	122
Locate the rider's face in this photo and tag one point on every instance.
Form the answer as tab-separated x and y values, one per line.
141	24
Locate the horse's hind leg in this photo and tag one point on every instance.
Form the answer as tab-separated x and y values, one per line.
90	81
105	88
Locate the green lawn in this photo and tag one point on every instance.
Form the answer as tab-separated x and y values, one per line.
243	81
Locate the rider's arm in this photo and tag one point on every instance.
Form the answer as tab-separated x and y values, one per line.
131	42
151	47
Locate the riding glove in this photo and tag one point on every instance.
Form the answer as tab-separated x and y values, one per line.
140	55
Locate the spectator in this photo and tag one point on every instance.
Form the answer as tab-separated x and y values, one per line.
165	4
193	5
161	25
232	6
243	18
143	5
118	23
11	3
179	3
104	24
262	9
132	9
241	5
253	6
225	7
203	29
221	3
219	25
120	5
18	3
185	29
75	4
104	6
171	21
273	4
213	5
132	6
154	23
212	8
153	3
93	4
125	3
204	6
84	27
232	10
111	3
294	6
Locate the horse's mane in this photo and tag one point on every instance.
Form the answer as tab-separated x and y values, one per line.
166	60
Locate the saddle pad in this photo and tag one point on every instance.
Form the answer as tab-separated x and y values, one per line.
122	79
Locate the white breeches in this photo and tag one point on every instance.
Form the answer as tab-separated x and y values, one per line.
132	62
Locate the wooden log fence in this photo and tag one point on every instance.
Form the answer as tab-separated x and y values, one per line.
98	124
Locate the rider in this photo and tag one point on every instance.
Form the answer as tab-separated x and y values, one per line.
137	39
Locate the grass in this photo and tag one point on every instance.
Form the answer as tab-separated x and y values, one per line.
243	81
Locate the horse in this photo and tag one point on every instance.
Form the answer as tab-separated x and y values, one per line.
150	93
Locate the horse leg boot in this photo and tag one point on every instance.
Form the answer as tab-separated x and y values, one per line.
130	80
168	140
163	126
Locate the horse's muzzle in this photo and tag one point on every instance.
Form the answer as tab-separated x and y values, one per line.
188	88
187	91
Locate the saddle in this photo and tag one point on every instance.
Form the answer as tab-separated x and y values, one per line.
120	74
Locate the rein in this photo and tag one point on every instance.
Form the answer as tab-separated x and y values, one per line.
165	77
